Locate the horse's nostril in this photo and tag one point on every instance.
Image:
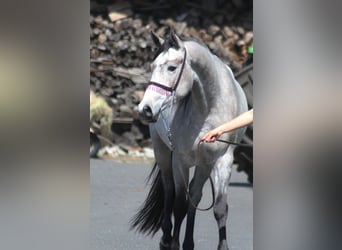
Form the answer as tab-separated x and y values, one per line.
147	111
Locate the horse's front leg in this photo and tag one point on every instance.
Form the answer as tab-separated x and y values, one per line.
181	179
169	196
163	159
222	172
196	186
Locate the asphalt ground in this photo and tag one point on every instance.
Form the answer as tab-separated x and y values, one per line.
118	189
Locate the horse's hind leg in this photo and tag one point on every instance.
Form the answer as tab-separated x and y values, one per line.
196	186
222	172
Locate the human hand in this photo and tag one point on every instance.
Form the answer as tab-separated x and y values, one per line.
211	136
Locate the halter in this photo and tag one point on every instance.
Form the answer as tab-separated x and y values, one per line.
174	87
172	91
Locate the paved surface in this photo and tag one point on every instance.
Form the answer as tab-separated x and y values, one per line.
118	189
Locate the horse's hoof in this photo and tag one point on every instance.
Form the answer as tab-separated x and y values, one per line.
164	246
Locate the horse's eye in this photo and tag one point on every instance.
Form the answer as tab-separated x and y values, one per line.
171	68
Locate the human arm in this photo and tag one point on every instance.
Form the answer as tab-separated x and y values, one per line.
242	120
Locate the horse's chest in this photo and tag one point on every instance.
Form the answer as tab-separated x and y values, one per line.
185	144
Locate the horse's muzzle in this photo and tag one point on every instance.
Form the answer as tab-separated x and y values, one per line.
146	115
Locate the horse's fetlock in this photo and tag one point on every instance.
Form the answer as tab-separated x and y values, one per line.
164	245
175	245
223	245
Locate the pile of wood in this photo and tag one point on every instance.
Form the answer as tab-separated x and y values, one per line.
121	49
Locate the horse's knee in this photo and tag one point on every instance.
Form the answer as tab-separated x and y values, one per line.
167	228
221	211
180	207
180	196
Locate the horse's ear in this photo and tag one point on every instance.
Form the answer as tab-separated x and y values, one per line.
176	41
158	41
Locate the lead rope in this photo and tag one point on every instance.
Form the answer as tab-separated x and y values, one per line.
169	134
167	124
210	179
236	143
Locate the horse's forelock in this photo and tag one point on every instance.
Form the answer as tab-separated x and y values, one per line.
169	43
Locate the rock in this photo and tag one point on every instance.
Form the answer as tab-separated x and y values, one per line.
114	16
229	43
125	111
213	30
102	38
149	152
192	32
94	53
98	20
227	32
101	47
96	31
205	36
137	24
143	44
240	30
218	39
248	37
240	43
108	33
119	11
138	95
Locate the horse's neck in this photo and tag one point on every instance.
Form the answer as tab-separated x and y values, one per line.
207	88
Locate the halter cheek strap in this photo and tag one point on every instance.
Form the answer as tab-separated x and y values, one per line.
174	87
171	91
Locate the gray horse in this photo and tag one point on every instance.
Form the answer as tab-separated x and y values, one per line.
191	91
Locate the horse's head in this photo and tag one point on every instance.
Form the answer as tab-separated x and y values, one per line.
171	77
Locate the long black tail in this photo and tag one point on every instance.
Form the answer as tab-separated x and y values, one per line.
148	219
